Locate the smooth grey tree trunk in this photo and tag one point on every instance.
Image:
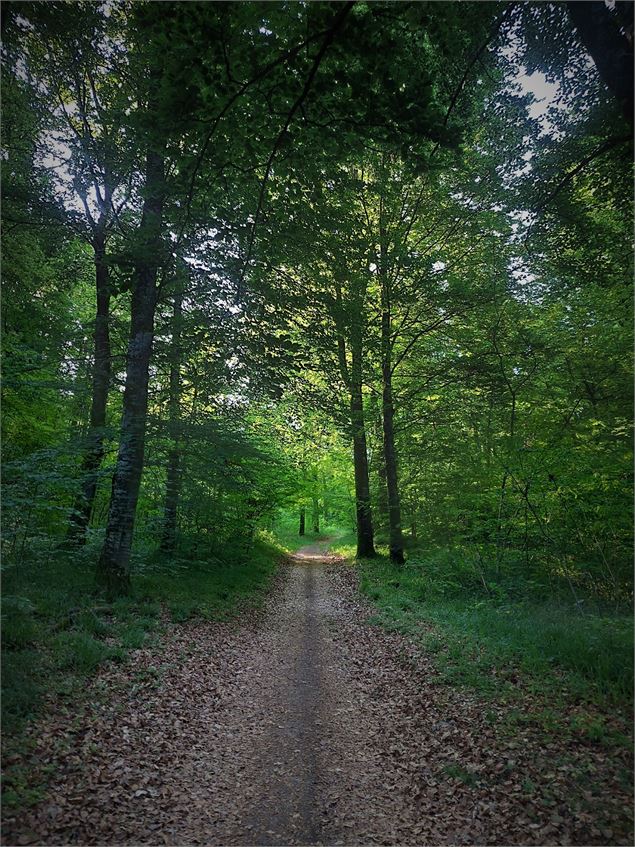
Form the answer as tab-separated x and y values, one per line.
392	482
326	506
381	523
365	534
113	567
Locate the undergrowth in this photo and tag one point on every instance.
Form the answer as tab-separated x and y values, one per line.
56	631
505	638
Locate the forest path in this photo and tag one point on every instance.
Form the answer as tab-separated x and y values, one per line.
307	771
299	724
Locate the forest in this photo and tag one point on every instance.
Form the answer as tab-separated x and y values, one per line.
317	334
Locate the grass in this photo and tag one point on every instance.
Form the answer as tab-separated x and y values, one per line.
210	590
345	545
461	774
285	533
509	634
56	632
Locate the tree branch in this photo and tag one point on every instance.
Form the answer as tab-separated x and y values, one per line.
328	39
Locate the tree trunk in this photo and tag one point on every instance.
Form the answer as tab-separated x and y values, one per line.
388	411
382	490
173	481
392	484
605	34
316	515
83	506
302	520
172	489
503	489
113	568
353	382
365	535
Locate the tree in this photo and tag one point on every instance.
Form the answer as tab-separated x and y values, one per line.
362	282
113	573
608	36
71	57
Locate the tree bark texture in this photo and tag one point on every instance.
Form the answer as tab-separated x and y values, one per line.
326	506
381	522
302	521
353	381
392	483
113	568
365	534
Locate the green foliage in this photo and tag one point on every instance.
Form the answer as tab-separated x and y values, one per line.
22	687
285	533
344	545
19	629
331	167
133	636
56	633
509	345
489	637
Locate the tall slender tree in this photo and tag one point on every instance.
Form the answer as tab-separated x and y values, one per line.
173	478
113	569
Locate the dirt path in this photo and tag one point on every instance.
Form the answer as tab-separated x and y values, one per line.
305	775
306	725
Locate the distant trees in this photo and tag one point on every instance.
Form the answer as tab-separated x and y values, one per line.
344	208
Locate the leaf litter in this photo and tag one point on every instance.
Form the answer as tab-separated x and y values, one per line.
305	723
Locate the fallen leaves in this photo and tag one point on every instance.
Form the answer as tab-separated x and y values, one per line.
306	724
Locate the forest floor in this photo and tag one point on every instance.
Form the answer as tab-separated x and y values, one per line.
306	723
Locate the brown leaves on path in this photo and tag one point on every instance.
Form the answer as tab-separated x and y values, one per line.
304	724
